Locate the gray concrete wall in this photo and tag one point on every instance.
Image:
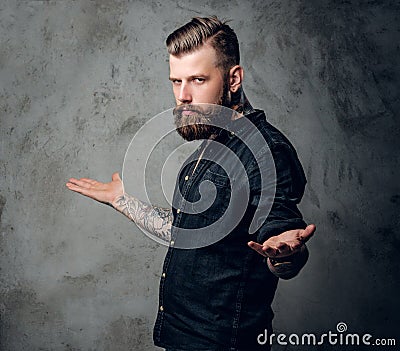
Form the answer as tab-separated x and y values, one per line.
79	78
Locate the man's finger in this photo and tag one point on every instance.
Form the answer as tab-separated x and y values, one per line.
257	247
116	176
270	251
307	233
282	245
88	180
77	188
80	183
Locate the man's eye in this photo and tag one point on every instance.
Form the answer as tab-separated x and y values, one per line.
199	80
175	82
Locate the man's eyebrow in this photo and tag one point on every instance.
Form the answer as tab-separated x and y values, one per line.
191	77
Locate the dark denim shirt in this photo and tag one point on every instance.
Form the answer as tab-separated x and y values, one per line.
218	297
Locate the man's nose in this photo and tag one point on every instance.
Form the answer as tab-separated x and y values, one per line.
184	94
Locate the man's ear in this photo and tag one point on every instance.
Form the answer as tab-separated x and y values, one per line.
235	78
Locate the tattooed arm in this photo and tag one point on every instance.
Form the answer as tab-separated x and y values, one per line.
155	220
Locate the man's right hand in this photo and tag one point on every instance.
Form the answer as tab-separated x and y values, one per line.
102	192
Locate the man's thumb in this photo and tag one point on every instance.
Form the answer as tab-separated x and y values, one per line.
308	232
116	176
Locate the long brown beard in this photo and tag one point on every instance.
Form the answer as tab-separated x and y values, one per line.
198	125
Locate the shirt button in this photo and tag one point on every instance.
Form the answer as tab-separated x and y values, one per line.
172	243
232	133
161	308
163	275
178	210
187	177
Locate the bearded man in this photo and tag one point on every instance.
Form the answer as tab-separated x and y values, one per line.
215	292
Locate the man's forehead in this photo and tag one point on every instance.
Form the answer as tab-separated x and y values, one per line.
205	57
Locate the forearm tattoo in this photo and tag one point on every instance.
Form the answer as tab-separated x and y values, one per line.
155	220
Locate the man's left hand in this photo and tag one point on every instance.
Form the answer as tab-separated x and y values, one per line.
285	244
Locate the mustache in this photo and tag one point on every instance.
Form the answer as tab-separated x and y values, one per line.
203	110
196	109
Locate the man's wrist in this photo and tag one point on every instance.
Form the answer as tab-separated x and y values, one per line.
118	201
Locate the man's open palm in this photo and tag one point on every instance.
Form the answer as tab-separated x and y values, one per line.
102	192
284	244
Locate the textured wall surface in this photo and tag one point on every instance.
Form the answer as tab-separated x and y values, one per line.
79	78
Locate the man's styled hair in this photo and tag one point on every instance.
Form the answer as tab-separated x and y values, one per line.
206	30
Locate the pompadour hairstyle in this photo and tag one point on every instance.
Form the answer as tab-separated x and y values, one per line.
206	30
